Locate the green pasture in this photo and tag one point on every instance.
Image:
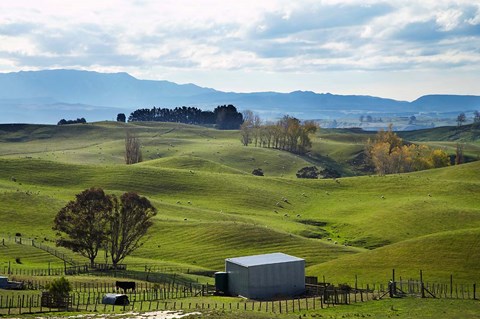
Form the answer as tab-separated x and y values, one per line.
464	133
387	308
211	207
25	257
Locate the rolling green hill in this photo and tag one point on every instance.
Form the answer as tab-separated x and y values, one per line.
211	207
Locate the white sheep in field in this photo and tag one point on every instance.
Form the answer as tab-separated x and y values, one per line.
189	202
335	243
178	202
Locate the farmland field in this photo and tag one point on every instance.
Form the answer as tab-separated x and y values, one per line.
211	207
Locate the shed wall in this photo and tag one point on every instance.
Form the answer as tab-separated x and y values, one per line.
237	279
268	280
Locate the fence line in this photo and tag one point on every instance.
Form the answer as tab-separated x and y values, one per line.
55	253
31	242
92	302
149	296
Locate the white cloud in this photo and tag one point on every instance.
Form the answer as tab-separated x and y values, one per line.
448	19
273	36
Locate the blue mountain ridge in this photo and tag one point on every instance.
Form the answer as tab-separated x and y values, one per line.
49	95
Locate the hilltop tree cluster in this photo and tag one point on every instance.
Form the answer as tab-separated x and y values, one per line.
388	154
226	117
77	121
288	133
95	220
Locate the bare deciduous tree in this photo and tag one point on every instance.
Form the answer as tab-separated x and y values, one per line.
133	153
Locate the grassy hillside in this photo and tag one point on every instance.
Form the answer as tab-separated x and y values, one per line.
464	133
211	207
439	255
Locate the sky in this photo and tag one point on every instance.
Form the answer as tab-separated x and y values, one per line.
397	49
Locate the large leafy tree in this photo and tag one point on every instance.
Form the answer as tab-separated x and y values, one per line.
95	220
129	222
82	224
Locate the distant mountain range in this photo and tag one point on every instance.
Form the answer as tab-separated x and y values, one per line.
50	95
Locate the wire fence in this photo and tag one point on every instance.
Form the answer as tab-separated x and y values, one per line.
160	287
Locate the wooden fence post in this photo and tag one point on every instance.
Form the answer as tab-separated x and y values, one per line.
451	286
421	284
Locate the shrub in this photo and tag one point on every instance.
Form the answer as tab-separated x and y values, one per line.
330	173
257	172
308	172
59	288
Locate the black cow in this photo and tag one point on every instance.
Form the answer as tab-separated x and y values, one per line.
125	285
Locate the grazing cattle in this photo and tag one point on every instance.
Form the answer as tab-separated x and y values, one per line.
125	285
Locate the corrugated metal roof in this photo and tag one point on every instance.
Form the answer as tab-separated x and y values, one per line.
266	259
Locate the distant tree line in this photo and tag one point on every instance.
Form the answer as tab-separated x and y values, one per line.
225	117
288	133
369	119
462	118
65	122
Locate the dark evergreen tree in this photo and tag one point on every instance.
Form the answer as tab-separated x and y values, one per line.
227	117
187	115
121	117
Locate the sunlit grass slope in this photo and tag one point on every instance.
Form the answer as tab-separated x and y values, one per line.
172	144
438	256
211	207
24	257
464	133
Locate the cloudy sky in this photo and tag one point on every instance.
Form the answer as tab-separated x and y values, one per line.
398	49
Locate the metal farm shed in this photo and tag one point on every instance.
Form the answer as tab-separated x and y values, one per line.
266	276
